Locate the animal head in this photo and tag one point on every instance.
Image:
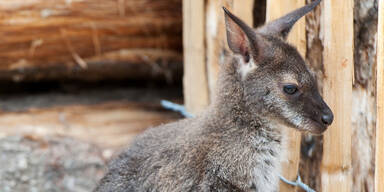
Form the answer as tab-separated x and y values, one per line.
275	79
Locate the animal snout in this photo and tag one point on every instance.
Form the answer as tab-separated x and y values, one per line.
327	118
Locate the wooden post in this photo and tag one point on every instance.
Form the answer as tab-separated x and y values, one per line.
337	24
379	169
215	36
196	95
296	37
205	44
244	10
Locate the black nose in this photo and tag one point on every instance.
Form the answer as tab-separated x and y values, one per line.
327	119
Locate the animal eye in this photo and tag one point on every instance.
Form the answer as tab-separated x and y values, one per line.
290	89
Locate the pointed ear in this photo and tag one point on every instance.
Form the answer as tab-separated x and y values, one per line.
239	35
282	26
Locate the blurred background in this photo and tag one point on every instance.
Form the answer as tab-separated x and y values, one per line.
80	78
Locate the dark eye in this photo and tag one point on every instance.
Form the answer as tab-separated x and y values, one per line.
290	89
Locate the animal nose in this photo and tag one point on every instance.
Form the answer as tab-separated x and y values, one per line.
327	119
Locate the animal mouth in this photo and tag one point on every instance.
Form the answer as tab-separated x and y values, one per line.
317	127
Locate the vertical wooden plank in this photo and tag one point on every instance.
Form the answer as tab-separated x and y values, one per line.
337	25
200	30
215	36
244	10
379	169
196	95
296	37
216	33
278	8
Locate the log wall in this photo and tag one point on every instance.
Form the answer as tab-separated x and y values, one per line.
89	39
109	117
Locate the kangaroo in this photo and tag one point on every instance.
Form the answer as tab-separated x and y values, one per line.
236	143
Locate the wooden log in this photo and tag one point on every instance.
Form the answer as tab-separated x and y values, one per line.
379	167
276	9
134	64
196	95
45	36
337	20
109	125
106	115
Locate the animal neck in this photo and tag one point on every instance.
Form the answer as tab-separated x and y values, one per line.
252	141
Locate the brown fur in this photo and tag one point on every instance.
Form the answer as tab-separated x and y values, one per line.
235	145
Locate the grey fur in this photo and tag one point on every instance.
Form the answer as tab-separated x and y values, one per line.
236	144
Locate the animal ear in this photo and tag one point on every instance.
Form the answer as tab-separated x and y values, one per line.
282	26
239	35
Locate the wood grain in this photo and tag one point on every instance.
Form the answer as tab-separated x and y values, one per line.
276	9
110	125
337	24
42	36
216	41
148	64
205	46
244	10
196	93
379	169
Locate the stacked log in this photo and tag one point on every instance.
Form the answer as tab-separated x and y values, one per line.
90	40
108	117
109	125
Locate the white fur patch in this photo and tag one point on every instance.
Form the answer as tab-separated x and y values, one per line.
245	68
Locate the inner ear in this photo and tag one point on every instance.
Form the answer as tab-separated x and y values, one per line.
244	40
238	35
246	57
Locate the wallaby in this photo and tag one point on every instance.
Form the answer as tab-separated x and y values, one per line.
236	144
